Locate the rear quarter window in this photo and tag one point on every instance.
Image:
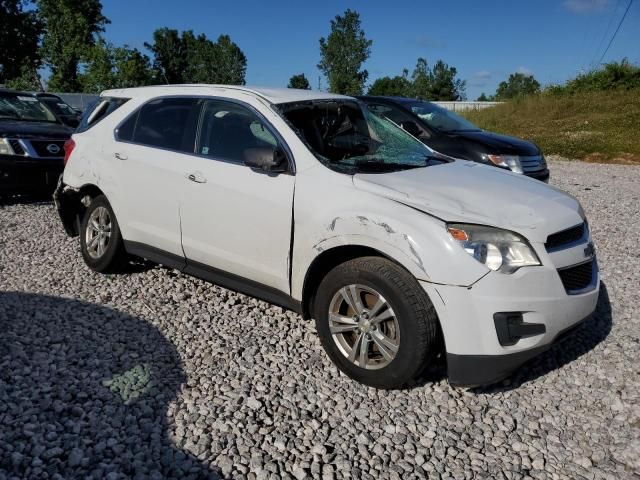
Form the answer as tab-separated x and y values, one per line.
98	110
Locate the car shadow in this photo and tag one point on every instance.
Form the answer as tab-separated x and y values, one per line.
84	393
582	340
26	199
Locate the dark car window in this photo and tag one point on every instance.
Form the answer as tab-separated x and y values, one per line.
99	110
163	123
27	108
399	117
440	118
58	106
230	132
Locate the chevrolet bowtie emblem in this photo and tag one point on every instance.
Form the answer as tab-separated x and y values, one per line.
589	250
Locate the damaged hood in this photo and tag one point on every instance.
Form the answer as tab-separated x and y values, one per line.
469	192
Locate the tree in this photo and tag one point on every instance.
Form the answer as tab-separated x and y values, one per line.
299	81
517	85
115	67
190	58
19	36
444	84
169	55
483	98
437	83
342	54
398	86
70	30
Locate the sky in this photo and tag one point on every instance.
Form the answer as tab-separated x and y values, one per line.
485	40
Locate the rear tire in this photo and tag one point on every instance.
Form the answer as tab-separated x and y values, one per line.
100	238
374	306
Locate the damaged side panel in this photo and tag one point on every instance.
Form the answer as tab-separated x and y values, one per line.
352	217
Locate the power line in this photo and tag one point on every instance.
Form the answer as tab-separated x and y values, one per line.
616	32
605	34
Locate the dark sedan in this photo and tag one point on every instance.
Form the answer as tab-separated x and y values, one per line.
452	135
31	145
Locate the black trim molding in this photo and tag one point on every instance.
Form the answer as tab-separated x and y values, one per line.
214	275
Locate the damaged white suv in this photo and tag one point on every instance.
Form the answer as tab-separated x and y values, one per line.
308	201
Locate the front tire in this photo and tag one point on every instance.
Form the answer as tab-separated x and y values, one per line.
100	238
376	322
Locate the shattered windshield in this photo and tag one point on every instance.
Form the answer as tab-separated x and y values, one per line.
441	118
25	108
347	137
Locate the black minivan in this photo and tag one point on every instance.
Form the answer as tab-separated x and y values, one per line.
31	145
452	135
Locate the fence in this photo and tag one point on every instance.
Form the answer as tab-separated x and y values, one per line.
79	101
461	106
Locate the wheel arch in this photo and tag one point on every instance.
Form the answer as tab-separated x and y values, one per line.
328	259
72	203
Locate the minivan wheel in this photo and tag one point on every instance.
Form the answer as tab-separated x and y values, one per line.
376	323
100	238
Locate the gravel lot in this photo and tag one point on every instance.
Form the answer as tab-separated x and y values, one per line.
156	374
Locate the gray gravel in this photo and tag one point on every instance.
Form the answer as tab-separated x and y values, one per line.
155	374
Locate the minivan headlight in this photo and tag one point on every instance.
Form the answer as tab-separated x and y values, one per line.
511	162
5	147
499	250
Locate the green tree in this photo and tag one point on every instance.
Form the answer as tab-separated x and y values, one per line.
437	83
299	81
343	53
20	32
444	84
483	98
190	58
115	67
70	30
398	86
517	85
169	53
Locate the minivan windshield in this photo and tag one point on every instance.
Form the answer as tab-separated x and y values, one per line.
24	108
440	118
344	135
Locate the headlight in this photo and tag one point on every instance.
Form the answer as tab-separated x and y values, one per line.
511	162
499	250
5	148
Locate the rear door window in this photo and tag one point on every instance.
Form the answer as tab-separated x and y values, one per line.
168	123
98	110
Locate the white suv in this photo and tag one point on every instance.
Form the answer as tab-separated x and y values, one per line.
308	201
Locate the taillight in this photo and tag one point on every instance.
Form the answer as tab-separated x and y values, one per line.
69	145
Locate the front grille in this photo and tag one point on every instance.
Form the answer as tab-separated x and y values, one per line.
533	163
17	148
43	148
565	237
577	277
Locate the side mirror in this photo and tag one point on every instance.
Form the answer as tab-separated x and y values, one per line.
411	127
267	159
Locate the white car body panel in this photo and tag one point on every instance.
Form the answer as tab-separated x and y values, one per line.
270	229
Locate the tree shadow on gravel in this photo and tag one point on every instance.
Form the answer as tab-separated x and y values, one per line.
84	392
579	342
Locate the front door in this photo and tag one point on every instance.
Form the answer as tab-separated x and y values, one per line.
234	219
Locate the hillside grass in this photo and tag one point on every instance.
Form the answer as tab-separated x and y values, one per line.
592	126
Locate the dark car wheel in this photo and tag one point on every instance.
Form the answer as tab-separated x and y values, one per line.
100	239
376	323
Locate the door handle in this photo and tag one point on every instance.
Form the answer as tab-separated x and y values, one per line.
120	156
196	177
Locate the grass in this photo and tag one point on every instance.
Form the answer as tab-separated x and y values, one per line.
594	126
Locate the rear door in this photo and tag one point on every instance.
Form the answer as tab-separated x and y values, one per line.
234	219
152	151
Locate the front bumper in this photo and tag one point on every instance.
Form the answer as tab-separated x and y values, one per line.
21	175
542	175
474	352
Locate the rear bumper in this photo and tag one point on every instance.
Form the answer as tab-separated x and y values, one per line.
22	175
67	201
